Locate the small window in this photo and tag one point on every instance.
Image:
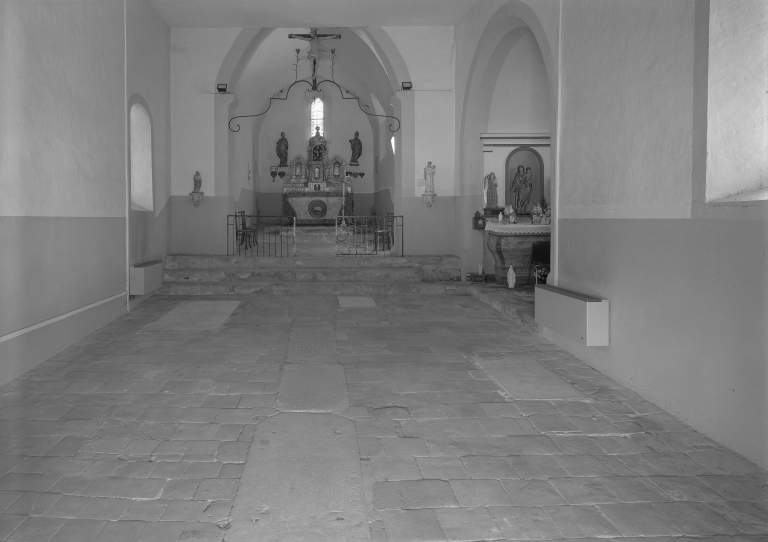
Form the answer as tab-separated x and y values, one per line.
141	159
316	117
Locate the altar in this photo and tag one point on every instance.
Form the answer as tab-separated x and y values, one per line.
316	190
510	245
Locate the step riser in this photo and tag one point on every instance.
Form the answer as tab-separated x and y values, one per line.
305	288
407	274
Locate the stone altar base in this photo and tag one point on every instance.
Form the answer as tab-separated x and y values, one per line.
316	209
510	244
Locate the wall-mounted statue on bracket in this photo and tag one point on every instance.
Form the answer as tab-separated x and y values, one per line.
196	196
198	182
357	149
282	150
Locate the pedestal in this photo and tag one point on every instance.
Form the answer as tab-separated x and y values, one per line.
510	244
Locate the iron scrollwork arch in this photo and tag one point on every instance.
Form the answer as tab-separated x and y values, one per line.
314	87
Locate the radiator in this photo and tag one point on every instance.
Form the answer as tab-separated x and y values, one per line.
146	277
577	316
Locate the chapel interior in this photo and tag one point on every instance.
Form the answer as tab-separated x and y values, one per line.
434	270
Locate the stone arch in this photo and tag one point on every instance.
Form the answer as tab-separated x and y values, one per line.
504	28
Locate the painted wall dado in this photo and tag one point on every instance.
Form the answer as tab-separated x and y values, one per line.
62	187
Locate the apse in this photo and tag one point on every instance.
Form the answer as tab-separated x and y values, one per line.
263	87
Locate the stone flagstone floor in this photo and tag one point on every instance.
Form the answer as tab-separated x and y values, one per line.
139	434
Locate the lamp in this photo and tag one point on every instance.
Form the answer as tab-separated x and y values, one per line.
406	85
478	221
222	88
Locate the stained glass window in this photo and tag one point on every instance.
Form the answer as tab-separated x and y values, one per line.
316	116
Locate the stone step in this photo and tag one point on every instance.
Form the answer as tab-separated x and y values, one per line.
434	268
296	274
315	288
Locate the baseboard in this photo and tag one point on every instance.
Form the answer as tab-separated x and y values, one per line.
26	349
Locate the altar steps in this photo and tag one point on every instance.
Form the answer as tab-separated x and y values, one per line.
304	274
215	275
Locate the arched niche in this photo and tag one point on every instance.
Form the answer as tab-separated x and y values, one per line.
526	157
141	163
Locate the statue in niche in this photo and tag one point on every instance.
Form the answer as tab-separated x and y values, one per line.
282	150
490	193
429	178
525	192
517	186
357	149
198	180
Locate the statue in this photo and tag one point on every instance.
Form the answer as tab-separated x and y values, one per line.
491	196
357	149
282	150
198	180
196	196
517	186
429	178
314	51
525	192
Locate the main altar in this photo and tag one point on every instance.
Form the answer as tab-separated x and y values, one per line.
316	189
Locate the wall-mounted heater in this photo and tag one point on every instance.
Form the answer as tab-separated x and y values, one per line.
577	316
146	277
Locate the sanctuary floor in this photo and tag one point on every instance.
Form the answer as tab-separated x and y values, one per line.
325	418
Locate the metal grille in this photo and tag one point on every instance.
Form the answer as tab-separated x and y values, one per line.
258	235
369	236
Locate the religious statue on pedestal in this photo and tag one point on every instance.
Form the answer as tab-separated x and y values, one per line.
357	149
282	150
196	196
198	182
429	178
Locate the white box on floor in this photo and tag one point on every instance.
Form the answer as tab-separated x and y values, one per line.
146	278
577	316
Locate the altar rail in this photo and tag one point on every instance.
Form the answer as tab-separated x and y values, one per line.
369	236
260	235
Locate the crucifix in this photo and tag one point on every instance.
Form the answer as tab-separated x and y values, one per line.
314	39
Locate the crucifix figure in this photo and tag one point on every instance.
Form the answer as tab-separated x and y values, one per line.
314	51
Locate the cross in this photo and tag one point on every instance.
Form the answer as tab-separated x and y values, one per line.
314	39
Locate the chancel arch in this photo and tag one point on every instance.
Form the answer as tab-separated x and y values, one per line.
267	68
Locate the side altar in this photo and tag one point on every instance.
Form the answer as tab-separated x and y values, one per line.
317	190
510	245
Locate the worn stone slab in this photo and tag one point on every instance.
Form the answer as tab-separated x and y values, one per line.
312	388
312	345
526	378
194	316
356	302
301	483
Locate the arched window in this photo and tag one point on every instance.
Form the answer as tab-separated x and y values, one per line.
316	116
141	159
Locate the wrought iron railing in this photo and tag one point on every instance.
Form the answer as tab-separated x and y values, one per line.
369	236
259	235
